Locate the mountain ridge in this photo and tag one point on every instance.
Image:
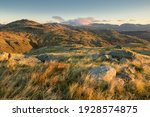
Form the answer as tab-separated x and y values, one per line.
122	27
23	35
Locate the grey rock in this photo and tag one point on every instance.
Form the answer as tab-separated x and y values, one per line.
123	61
105	73
95	56
124	76
44	57
119	54
118	46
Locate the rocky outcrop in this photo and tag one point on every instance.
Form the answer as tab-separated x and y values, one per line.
119	54
44	57
105	73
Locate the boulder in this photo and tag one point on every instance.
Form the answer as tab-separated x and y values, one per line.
105	73
124	76
119	54
44	57
95	56
106	57
123	61
118	46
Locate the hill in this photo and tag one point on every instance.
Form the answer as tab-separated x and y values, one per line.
57	61
75	73
123	27
23	35
140	34
115	38
37	35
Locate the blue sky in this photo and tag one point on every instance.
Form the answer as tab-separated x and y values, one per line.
102	11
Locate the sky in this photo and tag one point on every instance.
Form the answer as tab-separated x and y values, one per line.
76	11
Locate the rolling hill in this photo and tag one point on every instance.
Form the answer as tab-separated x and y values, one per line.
57	61
24	35
140	34
122	27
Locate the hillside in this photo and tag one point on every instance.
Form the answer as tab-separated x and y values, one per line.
62	73
115	38
140	34
57	61
122	27
35	35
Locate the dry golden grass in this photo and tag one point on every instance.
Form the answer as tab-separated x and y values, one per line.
68	79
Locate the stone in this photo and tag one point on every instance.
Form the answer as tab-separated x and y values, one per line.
123	61
119	54
106	57
124	76
105	73
44	57
118	46
95	56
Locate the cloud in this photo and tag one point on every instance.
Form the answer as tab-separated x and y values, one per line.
105	20
120	20
82	21
132	20
58	19
78	21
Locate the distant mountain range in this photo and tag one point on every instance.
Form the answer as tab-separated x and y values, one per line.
140	34
1	25
123	27
23	35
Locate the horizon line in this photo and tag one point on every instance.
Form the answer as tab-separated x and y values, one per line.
72	25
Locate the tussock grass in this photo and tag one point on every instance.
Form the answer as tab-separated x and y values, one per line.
68	79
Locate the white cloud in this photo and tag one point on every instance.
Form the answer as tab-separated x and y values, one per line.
82	21
57	19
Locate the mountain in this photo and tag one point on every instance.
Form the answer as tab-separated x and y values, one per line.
1	25
134	27
24	35
123	27
140	34
35	35
115	38
61	62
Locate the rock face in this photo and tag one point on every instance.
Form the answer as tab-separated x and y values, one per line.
119	54
105	73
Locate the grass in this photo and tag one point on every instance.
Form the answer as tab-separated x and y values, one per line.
62	80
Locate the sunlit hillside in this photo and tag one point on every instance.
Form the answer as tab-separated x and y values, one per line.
56	61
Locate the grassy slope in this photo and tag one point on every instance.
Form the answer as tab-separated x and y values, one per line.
67	79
